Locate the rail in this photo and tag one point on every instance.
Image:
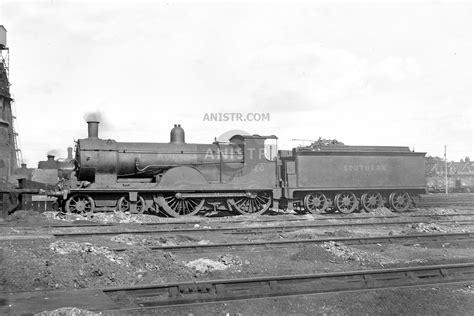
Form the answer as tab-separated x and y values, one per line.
251	230
407	239
286	285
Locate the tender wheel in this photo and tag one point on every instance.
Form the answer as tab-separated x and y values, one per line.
346	202
123	204
399	201
80	204
371	201
254	203
315	203
176	206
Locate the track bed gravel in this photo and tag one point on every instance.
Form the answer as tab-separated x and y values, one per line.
88	262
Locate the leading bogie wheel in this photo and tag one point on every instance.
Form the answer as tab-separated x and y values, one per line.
254	203
123	204
399	201
315	203
80	204
346	202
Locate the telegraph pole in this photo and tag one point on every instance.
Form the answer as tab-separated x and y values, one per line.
446	170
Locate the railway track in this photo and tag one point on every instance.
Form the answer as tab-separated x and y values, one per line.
259	220
289	285
275	218
267	245
146	297
314	219
430	200
254	230
445	204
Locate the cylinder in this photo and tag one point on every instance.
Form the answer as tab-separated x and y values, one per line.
93	129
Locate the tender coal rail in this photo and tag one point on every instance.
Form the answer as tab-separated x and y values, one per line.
405	239
287	285
254	230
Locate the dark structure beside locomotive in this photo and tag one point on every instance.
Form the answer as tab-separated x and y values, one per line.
180	179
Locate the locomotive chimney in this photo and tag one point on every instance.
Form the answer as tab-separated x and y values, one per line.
69	153
177	135
50	157
93	129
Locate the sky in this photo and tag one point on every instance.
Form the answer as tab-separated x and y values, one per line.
364	73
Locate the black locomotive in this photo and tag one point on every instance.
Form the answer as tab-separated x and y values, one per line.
241	175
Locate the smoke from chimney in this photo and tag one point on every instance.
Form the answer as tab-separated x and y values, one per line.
53	152
95	116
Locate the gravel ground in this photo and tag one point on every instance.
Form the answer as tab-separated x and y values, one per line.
42	265
49	263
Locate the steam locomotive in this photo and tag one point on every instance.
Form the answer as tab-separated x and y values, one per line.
244	175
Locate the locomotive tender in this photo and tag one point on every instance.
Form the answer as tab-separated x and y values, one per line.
241	176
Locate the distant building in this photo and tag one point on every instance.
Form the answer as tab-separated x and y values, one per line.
460	175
